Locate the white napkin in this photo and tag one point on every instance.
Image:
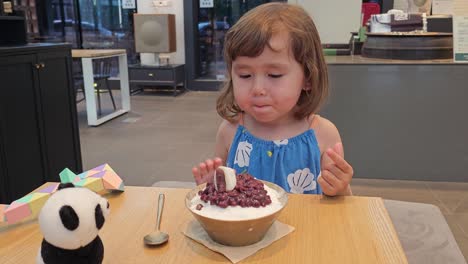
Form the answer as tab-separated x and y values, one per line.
235	254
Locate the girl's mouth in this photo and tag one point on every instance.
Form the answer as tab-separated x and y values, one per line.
261	107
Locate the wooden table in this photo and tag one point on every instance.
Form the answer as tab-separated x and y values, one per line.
328	230
87	55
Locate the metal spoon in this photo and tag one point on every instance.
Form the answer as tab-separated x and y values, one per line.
157	237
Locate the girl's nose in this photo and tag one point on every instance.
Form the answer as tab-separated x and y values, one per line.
258	86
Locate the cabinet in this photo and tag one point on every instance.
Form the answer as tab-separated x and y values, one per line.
168	75
38	121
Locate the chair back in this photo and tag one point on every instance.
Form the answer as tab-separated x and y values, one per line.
102	68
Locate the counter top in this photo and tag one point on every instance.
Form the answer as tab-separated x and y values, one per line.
328	230
31	47
358	59
92	53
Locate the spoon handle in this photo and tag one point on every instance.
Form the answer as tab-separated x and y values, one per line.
160	208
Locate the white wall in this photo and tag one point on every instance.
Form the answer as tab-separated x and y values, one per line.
334	19
177	8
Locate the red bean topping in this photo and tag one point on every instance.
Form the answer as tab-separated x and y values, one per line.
248	192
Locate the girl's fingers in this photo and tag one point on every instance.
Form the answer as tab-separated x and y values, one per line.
339	161
337	172
204	172
195	172
203	169
331	179
218	162
199	178
209	165
338	179
338	148
327	188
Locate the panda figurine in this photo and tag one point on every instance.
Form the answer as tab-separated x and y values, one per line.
70	221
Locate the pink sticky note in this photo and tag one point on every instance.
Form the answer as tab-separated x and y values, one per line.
111	181
2	212
16	212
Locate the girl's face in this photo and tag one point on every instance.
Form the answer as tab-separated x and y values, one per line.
268	86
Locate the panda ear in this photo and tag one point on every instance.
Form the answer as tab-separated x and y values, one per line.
65	185
69	217
99	216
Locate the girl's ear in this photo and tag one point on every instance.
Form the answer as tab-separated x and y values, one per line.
307	86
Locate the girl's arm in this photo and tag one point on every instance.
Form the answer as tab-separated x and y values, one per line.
336	173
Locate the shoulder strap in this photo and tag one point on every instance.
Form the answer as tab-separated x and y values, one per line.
313	120
241	118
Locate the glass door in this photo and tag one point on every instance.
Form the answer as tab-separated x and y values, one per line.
105	24
205	40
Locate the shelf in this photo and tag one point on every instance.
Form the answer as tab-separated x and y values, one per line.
11	18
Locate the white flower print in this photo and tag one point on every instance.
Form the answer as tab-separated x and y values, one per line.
281	142
301	181
243	154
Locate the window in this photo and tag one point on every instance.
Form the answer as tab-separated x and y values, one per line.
212	24
102	24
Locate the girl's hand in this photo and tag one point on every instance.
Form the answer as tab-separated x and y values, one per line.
205	170
336	172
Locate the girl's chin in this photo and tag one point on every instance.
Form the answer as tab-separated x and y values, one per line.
268	117
263	117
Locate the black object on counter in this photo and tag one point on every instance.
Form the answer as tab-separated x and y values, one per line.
406	46
12	30
440	23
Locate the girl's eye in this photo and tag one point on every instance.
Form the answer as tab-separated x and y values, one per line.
244	76
275	75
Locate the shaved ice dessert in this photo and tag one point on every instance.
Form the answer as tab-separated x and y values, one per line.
249	199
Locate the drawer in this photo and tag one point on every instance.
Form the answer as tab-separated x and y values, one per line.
151	74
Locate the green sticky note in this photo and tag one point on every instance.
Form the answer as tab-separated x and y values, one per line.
67	175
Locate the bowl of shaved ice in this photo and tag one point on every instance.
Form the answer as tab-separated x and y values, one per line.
236	209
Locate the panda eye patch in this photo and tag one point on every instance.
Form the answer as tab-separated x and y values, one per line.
69	217
99	216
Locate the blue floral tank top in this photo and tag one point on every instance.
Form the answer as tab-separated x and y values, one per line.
293	164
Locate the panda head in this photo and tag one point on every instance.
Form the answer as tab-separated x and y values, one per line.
72	217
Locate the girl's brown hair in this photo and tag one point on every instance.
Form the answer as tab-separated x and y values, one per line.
250	35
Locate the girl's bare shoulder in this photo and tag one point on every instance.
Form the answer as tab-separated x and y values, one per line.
325	131
227	130
227	126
